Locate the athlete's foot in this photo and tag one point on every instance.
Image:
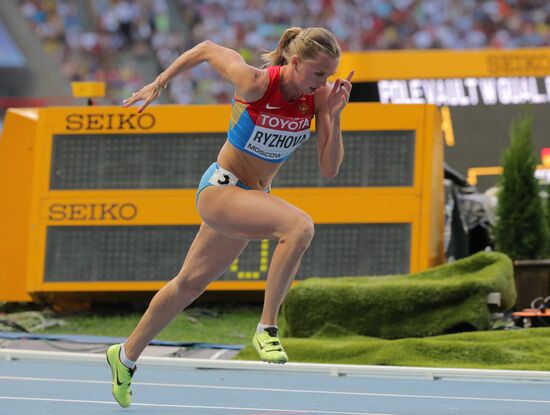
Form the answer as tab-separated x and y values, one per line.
122	377
269	347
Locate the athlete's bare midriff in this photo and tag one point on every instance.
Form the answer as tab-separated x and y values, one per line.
253	172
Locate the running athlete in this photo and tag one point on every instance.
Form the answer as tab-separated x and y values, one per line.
271	117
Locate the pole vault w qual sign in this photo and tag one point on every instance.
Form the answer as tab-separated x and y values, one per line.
466	92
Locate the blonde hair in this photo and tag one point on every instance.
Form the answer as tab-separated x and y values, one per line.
305	43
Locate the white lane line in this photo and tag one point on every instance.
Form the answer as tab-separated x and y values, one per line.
163	405
242	388
216	355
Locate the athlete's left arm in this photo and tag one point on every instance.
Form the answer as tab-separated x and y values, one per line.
330	147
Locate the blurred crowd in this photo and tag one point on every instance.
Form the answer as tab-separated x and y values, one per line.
99	40
120	32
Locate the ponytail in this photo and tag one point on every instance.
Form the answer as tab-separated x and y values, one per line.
305	43
276	57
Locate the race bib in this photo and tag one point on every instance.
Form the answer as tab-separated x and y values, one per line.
275	137
222	177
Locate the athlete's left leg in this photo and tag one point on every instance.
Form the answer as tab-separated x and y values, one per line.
257	215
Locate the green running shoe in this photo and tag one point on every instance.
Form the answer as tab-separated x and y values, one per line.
122	377
269	347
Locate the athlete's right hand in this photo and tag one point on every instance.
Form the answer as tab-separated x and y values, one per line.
147	94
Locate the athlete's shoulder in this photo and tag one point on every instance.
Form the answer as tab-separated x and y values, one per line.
256	86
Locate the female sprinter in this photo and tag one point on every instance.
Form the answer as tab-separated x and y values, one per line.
233	196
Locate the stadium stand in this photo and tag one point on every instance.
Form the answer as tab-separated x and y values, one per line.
134	39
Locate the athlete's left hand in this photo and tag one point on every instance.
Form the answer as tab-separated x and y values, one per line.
339	95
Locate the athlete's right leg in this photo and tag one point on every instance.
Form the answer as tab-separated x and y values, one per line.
210	254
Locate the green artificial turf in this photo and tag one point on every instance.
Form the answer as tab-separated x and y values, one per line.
446	299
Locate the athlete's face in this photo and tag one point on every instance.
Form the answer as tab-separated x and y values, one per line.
312	74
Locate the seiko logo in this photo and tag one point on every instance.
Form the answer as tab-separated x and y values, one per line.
519	64
109	122
92	211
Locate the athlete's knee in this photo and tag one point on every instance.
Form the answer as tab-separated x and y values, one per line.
306	228
301	231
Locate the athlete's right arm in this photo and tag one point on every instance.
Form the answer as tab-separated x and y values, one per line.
250	83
